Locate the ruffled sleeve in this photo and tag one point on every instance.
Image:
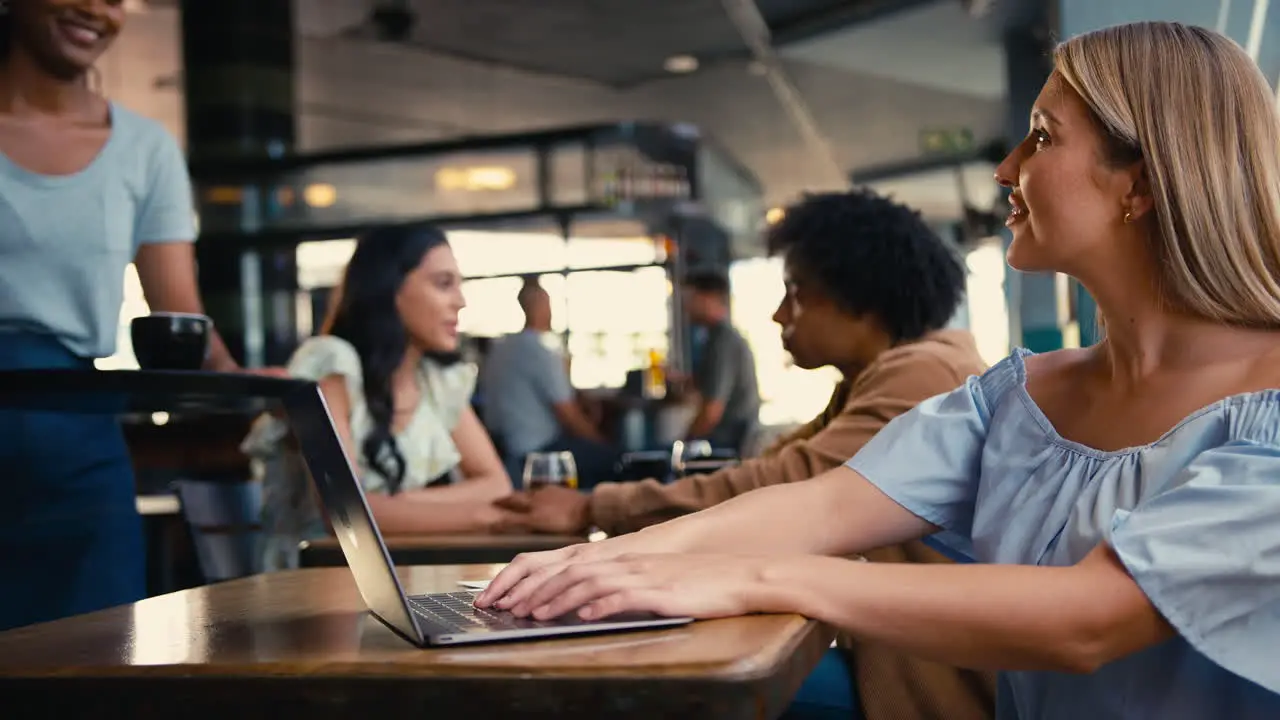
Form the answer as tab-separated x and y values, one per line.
325	355
449	389
1206	551
317	358
928	460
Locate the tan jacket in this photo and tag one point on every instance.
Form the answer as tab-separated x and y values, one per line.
897	381
890	686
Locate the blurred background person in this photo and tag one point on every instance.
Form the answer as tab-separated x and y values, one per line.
387	363
530	405
724	368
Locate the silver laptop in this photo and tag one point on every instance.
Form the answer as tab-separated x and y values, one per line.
424	620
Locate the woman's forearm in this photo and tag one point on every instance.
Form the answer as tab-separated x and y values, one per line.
219	359
401	515
1007	617
778	519
837	513
484	489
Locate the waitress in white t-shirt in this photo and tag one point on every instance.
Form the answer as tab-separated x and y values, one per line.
387	363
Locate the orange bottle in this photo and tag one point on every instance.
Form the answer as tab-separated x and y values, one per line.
656	376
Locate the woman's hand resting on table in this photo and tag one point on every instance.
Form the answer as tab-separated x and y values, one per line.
597	580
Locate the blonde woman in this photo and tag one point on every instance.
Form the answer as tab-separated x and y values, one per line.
1122	501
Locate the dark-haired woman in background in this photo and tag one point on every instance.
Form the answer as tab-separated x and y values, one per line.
86	187
386	361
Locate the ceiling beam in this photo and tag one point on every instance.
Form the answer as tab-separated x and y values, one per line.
755	33
840	17
992	153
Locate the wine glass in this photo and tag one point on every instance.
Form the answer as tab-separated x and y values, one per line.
545	469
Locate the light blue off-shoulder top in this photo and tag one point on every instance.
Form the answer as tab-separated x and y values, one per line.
1194	516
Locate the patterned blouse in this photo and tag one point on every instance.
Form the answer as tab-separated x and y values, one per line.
290	513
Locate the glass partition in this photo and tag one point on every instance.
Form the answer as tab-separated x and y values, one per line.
608	215
608	287
406	188
635	170
732	199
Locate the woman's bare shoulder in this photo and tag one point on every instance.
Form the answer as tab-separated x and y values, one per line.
1058	362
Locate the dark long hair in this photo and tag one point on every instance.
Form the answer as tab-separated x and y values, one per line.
365	315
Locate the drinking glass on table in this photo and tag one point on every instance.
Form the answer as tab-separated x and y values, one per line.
543	469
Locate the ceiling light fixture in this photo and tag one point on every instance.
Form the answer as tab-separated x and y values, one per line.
680	64
475	179
320	195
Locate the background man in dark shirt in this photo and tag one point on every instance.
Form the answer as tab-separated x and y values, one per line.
724	370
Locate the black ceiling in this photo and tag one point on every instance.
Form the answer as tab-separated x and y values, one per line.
795	20
617	42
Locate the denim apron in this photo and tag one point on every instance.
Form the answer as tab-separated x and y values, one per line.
70	536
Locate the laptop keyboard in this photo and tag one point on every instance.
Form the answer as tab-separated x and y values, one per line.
455	612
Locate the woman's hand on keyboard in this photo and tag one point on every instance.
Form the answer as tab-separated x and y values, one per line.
528	571
698	586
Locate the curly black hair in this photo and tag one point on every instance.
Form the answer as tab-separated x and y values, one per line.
872	255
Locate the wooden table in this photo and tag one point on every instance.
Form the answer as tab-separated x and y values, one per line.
301	643
440	549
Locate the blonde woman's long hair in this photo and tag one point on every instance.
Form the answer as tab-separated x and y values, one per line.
1194	107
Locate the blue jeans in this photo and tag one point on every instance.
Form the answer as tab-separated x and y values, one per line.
828	693
70	536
